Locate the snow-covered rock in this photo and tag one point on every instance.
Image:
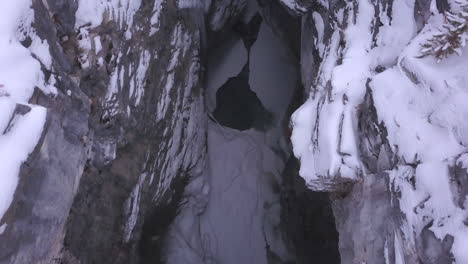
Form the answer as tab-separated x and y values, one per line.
225	12
299	7
114	127
389	124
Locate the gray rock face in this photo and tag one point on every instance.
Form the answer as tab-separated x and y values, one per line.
225	12
125	131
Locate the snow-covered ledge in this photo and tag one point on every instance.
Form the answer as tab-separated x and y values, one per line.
325	137
298	7
357	43
21	123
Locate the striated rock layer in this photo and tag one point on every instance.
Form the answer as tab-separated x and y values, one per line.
124	130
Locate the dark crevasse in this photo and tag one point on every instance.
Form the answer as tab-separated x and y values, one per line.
238	107
249	204
307	219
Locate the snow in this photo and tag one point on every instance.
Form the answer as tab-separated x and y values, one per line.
135	74
293	5
132	207
332	149
386	256
399	257
40	48
325	131
89	15
15	146
423	105
89	11
2	228
319	25
17	84
20	73
97	44
185	128
305	133
431	199
157	9
113	88
139	79
191	4
92	12
180	41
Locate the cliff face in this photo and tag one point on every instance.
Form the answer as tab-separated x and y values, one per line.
381	129
125	127
117	138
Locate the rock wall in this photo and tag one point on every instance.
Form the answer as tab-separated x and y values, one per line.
124	131
376	133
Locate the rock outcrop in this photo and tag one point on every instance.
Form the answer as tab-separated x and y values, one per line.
124	131
376	133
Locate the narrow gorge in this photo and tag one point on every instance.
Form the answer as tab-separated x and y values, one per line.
233	131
